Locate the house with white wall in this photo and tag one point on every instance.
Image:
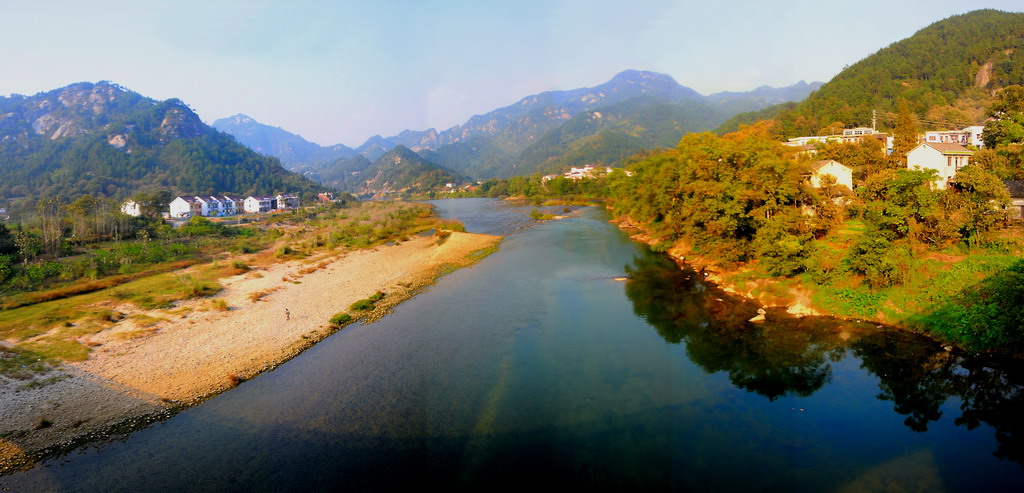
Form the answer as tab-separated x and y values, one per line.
131	208
287	201
182	207
968	136
230	205
946	159
255	204
842	173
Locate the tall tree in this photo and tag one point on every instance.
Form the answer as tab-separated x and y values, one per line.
52	223
904	136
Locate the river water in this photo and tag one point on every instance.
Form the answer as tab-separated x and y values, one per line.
537	368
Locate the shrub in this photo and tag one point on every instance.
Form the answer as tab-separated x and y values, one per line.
881	262
340	319
361	305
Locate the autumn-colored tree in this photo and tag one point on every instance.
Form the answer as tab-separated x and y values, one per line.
904	136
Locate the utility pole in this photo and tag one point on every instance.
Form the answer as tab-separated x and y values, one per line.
874	121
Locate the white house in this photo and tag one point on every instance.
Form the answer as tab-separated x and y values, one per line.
287	201
254	204
842	173
131	208
968	136
209	206
230	205
946	159
185	207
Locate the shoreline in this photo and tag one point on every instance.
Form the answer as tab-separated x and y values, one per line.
138	373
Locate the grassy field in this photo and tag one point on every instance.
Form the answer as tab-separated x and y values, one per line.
54	324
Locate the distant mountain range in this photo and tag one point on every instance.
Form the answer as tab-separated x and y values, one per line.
105	140
948	72
633	111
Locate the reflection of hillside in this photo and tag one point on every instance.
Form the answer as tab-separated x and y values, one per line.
790	356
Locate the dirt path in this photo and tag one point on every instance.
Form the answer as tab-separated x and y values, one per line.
197	350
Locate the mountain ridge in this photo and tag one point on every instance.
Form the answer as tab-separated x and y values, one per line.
104	139
490	144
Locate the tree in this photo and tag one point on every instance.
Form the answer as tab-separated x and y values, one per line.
904	136
7	244
1007	113
52	223
977	200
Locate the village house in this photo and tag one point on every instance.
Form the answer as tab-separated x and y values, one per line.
182	207
131	208
1016	189
210	206
287	201
842	173
946	159
849	136
254	204
968	136
325	197
230	205
588	171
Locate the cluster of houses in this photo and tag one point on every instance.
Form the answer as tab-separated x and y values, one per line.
942	151
587	171
219	205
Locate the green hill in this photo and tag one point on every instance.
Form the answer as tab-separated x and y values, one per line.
947	71
399	171
104	140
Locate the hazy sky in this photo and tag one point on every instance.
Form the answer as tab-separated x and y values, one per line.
341	71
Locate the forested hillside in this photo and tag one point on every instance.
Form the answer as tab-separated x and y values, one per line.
947	71
104	140
398	171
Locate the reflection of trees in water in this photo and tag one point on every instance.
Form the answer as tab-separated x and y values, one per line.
768	358
919	377
792	356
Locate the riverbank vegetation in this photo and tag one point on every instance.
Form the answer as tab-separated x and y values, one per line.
895	250
57	288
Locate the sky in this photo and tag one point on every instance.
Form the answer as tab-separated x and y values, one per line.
342	71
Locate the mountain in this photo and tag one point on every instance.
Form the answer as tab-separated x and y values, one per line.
105	140
634	111
399	170
295	153
947	71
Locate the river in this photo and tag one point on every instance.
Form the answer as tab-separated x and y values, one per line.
537	368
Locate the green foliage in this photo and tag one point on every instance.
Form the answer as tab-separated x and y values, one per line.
170	148
340	319
987	316
1007	123
720	194
937	66
880	261
361	305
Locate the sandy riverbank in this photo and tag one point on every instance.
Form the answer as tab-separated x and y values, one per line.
195	350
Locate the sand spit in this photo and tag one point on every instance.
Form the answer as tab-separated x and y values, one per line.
136	375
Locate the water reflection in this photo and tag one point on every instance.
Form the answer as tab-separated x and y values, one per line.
789	356
771	358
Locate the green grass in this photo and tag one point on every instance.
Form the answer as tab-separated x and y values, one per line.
22	364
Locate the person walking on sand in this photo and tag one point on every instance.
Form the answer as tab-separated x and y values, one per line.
287	314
